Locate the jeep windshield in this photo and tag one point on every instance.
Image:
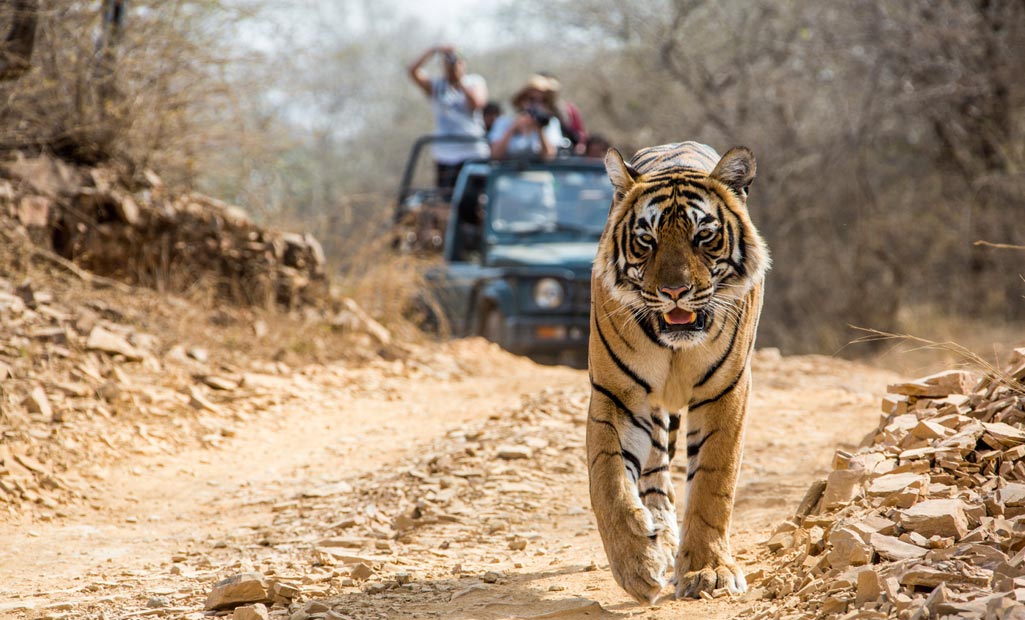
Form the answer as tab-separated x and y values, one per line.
558	205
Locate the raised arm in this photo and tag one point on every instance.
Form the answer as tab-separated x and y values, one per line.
416	70
476	92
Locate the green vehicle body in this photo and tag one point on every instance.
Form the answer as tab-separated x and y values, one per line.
520	240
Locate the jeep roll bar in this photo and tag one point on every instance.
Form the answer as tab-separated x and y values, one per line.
405	191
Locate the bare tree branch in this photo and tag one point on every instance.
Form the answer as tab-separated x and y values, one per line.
999	246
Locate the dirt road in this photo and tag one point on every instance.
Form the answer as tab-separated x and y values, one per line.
462	488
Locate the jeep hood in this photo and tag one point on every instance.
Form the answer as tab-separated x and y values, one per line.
575	255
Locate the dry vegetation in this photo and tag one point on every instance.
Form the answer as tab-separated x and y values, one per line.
889	134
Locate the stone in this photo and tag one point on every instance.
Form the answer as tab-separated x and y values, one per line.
1012	494
780	542
892	483
198	401
251	612
316	607
928	429
936	386
37	402
511	453
236	590
869	587
842	486
220	383
126	207
101	339
847	548
959	574
895	405
284	590
937	597
157	602
833	605
361	572
936	517
810	500
1000	435
891	548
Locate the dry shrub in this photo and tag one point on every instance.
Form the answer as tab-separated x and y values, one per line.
993	371
144	97
357	236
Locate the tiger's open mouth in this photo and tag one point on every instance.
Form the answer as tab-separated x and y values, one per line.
680	320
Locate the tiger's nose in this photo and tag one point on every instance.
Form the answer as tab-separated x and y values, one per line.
675	291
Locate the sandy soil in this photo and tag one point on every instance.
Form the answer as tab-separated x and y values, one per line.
396	464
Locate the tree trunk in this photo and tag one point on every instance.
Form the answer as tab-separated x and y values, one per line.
16	52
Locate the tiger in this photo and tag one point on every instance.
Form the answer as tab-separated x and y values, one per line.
676	293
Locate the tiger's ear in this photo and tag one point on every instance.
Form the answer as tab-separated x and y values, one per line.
622	174
736	169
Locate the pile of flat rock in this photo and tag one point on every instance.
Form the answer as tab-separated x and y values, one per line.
925	520
135	229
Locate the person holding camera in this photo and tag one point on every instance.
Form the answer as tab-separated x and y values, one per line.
534	129
457	99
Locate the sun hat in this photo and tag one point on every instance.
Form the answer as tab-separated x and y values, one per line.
546	86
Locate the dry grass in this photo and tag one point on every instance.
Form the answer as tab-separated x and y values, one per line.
991	370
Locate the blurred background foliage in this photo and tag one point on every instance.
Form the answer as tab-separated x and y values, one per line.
889	133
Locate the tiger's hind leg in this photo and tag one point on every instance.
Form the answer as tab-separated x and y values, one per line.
714	445
618	448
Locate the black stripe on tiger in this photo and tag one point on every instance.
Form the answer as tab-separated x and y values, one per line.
622	407
605	454
620	363
647	328
632	460
655	470
623	339
605	423
722	358
697	470
732	386
654	491
694	448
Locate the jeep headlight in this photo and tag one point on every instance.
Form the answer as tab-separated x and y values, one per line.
549	293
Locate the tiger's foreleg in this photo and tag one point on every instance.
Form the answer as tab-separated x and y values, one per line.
619	449
714	447
655	487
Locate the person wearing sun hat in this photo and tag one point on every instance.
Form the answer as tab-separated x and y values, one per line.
533	129
569	116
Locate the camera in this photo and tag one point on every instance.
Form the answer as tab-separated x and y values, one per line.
450	58
540	115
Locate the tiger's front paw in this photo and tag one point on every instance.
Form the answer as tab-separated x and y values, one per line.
637	557
720	572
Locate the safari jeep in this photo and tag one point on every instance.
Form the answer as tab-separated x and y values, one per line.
518	248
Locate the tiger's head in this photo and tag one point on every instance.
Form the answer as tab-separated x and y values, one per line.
679	249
